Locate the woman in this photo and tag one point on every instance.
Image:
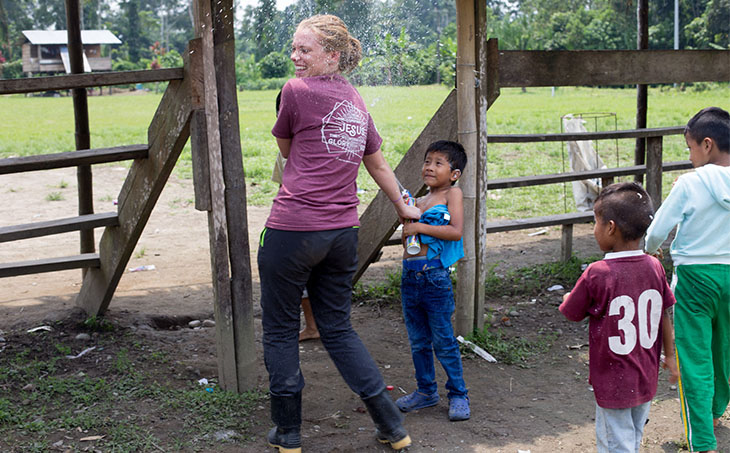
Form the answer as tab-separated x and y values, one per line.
310	240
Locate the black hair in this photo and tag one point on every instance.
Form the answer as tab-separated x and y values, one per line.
454	152
628	205
712	122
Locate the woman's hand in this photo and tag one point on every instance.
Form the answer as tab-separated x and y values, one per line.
406	212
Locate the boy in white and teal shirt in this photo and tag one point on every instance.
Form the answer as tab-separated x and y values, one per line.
699	204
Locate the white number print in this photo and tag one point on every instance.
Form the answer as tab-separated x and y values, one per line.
649	314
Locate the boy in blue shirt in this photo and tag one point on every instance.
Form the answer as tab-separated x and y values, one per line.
699	204
426	292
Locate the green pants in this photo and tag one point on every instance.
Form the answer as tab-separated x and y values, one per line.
702	336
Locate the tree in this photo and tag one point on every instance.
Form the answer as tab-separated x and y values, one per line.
718	23
131	35
265	18
274	65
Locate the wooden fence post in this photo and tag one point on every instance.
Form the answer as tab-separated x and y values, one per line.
217	220
642	43
654	169
235	195
467	133
487	70
81	119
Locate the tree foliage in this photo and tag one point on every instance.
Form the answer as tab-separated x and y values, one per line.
404	41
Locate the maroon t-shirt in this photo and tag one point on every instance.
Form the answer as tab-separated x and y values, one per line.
625	296
330	131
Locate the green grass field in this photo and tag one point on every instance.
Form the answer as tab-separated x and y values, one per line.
44	125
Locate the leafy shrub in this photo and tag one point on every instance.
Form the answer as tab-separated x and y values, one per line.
264	84
171	59
12	70
126	65
275	65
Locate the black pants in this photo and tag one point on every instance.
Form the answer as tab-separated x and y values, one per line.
324	262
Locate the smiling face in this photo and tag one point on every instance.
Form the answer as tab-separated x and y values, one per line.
309	56
436	170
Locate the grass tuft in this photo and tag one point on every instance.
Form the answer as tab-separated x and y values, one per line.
532	280
510	350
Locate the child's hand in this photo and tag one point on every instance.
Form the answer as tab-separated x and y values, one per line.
565	296
658	254
670	363
410	228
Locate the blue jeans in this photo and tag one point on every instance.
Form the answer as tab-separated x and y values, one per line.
620	430
324	262
428	303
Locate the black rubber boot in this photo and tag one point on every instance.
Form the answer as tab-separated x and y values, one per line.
388	421
286	413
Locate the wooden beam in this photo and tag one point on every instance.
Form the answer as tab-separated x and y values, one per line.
72	158
137	198
467	133
198	131
491	71
642	90
379	220
92	79
235	197
487	91
566	242
539	222
217	217
85	187
578	136
526	68
528	181
37	229
86	260
654	170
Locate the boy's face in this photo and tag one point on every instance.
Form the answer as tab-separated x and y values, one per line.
436	170
602	231
699	152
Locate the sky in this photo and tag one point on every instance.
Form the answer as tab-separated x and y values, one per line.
280	4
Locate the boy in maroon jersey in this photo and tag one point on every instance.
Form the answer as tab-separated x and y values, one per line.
624	295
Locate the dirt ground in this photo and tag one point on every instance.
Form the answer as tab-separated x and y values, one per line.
543	406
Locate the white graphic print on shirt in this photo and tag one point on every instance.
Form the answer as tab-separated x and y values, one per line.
344	132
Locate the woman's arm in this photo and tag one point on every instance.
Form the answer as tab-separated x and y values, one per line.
284	146
384	177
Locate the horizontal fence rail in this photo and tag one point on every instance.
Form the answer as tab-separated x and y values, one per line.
580	136
88	80
528	181
535	68
72	158
49	265
57	226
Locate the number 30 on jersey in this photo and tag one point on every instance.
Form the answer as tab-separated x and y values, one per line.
649	311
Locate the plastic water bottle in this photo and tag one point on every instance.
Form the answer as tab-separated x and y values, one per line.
413	244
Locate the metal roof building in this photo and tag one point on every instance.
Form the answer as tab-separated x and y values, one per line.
46	51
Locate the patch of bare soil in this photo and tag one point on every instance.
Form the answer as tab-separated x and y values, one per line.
542	405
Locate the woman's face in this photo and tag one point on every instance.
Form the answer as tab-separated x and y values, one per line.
309	57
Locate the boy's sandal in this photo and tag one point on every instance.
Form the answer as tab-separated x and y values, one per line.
416	400
459	409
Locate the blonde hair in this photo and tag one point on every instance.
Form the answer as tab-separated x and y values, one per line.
333	35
